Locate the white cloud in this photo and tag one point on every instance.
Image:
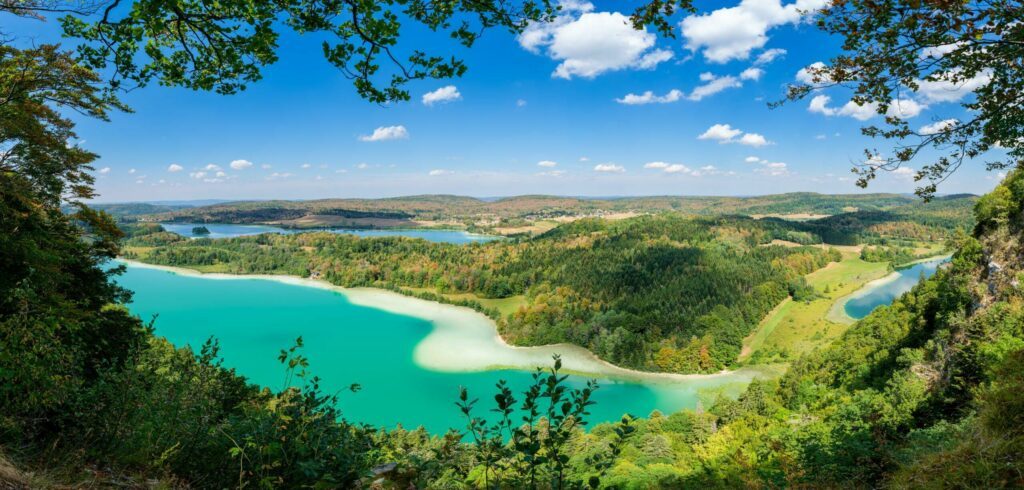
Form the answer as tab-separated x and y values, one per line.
732	33
946	90
438	172
211	167
362	166
243	164
305	165
341	171
773	169
552	173
670	168
104	170
131	171
442	95
197	175
938	127
753	139
752	74
521	103
720	132
713	85
547	163
905	173
591	43
807	74
609	167
769	56
752	159
901	108
174	167
724	133
905	108
648	97
221	174
279	175
938	52
676	168
584	159
385	133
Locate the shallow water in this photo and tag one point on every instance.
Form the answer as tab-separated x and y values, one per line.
226	230
885	292
353	343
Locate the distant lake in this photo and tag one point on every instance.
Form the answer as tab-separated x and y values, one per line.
350	343
226	230
885	291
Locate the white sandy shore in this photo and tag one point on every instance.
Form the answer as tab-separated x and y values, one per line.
466	340
837	313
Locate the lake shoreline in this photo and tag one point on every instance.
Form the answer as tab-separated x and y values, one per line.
465	340
837	312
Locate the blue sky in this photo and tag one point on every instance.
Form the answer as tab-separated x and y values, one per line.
556	95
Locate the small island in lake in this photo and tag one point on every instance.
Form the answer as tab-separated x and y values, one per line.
200	231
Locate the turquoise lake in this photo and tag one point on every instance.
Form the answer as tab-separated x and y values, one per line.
255	318
887	292
225	230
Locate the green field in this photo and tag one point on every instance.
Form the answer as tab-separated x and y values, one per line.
794	327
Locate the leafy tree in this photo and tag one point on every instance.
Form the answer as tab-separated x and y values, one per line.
891	49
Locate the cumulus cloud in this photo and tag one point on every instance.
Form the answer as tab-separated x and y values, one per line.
807	75
753	139
752	73
905	108
438	172
938	127
197	175
904	173
104	171
609	167
305	165
720	132
769	55
552	173
521	103
713	84
901	108
174	167
724	133
648	97
591	43
242	164
669	168
947	90
752	159
385	133
131	171
279	175
732	33
547	163
211	167
773	169
442	95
